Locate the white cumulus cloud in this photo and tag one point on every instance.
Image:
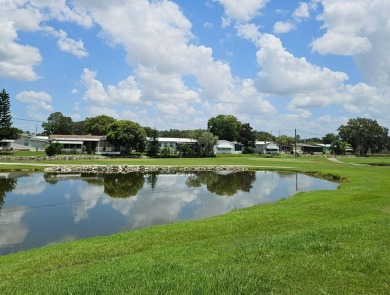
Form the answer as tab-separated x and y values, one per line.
37	102
302	11
67	44
361	29
283	27
16	61
242	11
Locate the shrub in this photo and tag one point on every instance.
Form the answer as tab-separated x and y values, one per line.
53	149
165	152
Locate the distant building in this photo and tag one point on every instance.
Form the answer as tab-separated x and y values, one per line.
6	145
173	143
266	147
30	142
26	142
96	144
228	147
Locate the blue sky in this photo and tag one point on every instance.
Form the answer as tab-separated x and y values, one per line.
278	65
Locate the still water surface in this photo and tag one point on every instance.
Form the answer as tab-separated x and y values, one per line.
38	209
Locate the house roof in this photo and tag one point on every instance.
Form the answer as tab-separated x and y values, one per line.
68	138
224	145
174	139
324	145
40	138
272	146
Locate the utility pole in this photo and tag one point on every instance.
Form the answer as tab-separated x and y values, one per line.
295	143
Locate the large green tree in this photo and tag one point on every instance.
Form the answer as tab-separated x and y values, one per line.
57	123
329	138
98	125
128	134
285	140
363	135
226	127
264	136
153	145
7	131
246	135
79	128
207	141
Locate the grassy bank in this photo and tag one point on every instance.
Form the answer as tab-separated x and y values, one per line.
324	242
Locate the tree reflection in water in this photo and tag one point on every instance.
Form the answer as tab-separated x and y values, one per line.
151	179
223	184
123	185
128	185
6	185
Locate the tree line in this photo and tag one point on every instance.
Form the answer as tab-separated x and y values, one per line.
362	134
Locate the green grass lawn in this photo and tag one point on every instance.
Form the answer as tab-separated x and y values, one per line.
22	153
322	242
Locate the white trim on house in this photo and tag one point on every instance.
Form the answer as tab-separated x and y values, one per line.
227	147
173	142
265	147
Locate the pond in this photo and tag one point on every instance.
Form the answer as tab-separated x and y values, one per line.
40	209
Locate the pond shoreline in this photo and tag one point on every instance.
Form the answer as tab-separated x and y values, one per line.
113	169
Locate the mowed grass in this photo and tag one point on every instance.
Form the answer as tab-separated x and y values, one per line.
323	242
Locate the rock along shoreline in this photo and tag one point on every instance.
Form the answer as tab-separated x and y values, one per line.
122	169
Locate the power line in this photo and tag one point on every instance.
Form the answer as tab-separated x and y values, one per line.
311	133
28	120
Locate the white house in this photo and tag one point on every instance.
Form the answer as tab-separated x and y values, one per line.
81	143
266	147
6	144
228	147
30	142
173	143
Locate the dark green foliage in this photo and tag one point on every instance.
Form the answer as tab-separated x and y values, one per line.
185	150
53	149
166	152
175	133
98	125
149	131
248	150
127	134
329	138
285	140
246	135
6	185
207	141
153	144
312	140
364	135
338	147
79	128
226	127
6	129
57	123
264	136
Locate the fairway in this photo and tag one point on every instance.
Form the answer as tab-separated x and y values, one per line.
322	242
